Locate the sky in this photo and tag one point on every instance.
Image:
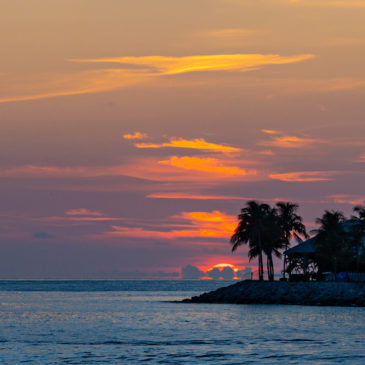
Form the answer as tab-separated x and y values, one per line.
133	132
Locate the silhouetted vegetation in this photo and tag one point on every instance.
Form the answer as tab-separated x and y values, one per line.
338	244
267	230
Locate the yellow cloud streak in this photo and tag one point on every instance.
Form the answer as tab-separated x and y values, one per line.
198	143
177	65
86	82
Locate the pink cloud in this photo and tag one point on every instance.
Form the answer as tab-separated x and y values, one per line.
348	199
83	211
303	176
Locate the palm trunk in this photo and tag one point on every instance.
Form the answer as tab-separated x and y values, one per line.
270	267
261	264
284	261
261	267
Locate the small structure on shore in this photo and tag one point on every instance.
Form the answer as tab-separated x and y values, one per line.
304	260
300	259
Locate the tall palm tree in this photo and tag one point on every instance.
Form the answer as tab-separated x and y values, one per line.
357	232
250	230
273	242
331	238
291	225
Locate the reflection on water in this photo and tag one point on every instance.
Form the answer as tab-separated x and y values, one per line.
126	327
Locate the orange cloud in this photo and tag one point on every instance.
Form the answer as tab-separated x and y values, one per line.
289	142
303	176
214	217
348	199
83	211
189	169
135	135
176	65
270	131
173	169
198	144
210	165
201	225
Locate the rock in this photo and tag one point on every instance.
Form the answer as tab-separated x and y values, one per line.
281	292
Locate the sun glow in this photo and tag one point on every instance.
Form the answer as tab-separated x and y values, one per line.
214	270
222	266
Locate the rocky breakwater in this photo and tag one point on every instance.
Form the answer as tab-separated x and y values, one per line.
279	292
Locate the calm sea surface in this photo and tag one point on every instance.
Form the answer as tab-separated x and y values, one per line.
135	322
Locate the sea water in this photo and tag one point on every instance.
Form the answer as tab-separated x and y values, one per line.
136	322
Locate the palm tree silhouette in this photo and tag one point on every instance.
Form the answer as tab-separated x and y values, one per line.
291	225
331	238
357	232
273	241
251	231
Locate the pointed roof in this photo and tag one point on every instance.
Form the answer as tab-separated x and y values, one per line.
308	246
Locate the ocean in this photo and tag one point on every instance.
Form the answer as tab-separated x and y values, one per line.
137	322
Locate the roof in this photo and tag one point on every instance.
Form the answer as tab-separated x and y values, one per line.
308	246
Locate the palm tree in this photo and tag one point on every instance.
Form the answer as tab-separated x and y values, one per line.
357	232
273	242
331	238
250	230
291	225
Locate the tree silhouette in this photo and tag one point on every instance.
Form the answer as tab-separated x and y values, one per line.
251	231
357	232
331	239
291	225
272	242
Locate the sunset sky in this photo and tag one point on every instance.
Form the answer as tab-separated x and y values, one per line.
133	132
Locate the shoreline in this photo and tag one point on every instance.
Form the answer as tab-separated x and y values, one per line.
342	294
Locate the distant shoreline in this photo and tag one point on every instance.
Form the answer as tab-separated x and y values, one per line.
290	293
